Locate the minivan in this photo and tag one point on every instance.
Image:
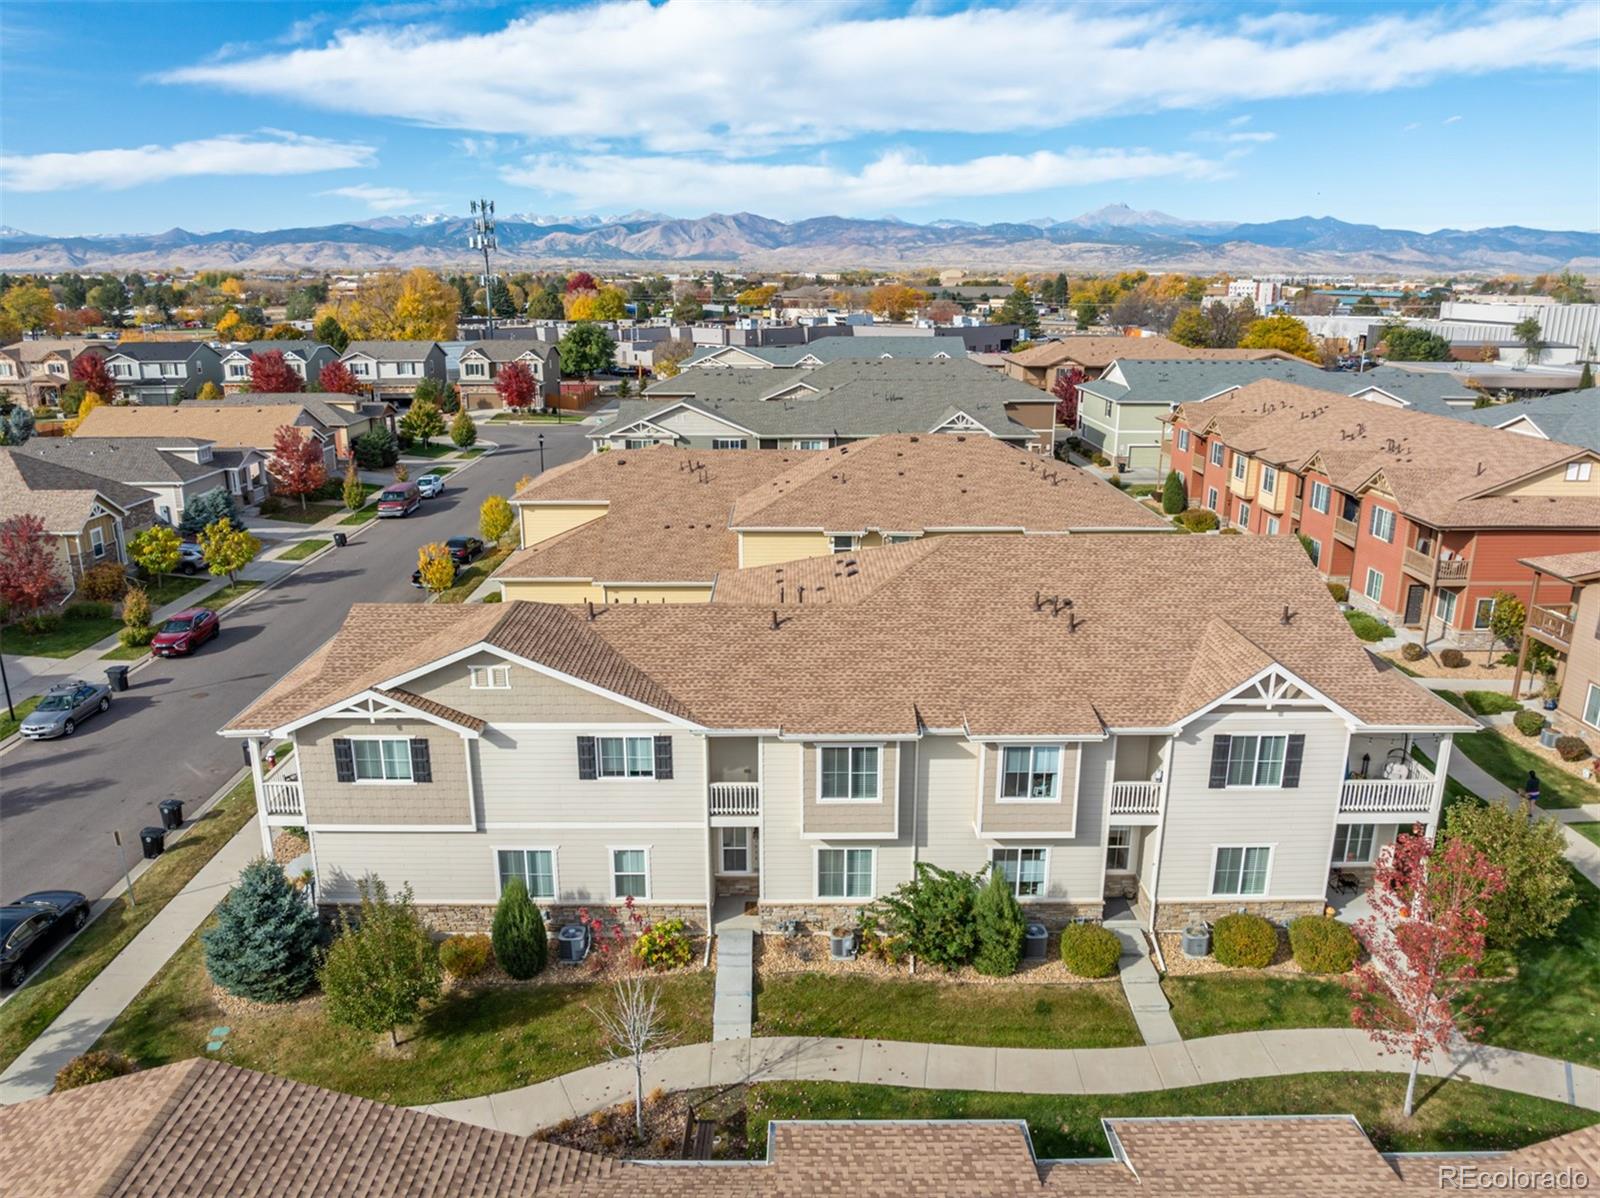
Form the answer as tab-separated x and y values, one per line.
399	500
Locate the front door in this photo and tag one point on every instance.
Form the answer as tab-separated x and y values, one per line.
1415	594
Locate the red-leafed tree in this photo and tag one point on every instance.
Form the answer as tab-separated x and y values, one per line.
90	370
581	280
1065	390
270	374
336	377
516	385
296	465
30	575
1425	939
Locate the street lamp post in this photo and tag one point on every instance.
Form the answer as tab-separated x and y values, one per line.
541	453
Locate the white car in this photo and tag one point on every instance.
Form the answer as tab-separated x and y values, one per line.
431	485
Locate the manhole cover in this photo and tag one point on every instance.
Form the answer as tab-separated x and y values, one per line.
199	694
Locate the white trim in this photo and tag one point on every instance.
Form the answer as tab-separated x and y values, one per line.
1000	774
722	871
1255	765
1270	693
816	874
559	826
492	672
1588	697
555	874
611	871
1019	849
378	707
626	775
391	827
1372	843
875	800
1266	881
408	780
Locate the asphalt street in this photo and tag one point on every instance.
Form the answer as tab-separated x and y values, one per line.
61	800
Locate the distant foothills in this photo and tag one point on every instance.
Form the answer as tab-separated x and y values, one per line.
1114	237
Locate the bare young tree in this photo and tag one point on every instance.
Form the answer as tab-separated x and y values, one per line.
634	1027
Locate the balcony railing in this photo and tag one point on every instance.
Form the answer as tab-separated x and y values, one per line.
1135	798
1344	530
1420	564
1294	508
736	798
1454	569
1389	796
1551	622
283	796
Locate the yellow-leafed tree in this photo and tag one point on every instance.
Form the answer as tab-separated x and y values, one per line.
437	568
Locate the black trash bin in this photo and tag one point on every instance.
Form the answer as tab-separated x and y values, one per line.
340	539
154	841
117	676
171	813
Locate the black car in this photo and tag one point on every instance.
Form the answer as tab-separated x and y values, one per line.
32	927
464	549
455	571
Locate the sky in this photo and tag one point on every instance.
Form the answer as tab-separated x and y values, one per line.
138	117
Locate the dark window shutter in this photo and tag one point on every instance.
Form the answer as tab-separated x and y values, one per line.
663	757
344	760
587	770
1219	761
421	761
1291	760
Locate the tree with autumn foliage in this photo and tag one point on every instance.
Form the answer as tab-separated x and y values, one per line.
581	280
336	378
1065	389
1425	938
895	301
1281	332
516	386
296	465
30	574
271	374
942	311
90	370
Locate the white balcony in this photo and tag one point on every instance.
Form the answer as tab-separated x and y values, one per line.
735	800
1135	799
1389	796
282	795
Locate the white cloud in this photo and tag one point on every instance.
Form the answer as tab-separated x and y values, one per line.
896	179
478	147
750	78
1450	120
379	199
266	152
1235	137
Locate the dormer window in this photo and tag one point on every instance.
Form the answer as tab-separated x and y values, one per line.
843	543
1578	472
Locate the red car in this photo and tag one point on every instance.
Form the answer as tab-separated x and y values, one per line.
186	632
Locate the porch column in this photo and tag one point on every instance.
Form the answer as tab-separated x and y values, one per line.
254	747
1442	765
1522	652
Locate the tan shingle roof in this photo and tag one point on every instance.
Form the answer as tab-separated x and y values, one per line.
253	425
1436	468
1573	567
1099	352
60	495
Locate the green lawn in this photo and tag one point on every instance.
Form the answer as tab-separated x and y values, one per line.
1367	627
467	581
428	451
1013	1015
303	550
1589	831
537	418
1490	702
469	1043
1450	1116
125	653
291	512
73	636
218	600
441	471
474	452
171	587
23	709
362	516
1502	758
1454	792
35	1006
1217	1004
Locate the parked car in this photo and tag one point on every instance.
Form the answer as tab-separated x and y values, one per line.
463	550
430	485
64	707
186	632
399	500
32	926
455	572
191	558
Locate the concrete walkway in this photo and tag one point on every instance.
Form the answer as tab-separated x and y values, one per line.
1141	984
732	1009
86	1018
1012	1070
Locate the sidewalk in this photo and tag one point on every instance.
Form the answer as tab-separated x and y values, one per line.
86	1018
1583	853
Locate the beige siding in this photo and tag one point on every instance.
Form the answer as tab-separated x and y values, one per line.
1583	659
687	422
531	776
534	698
552	592
657	594
1554	482
549	520
854	819
769	548
444	801
1058	817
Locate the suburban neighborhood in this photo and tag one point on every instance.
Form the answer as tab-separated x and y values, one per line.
536	695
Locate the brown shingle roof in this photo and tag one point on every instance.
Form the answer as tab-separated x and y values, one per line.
253	425
59	495
1098	352
1572	567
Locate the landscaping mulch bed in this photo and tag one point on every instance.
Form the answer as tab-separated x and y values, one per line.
1429	666
1530	744
287	845
610	1131
1179	965
809	954
617	966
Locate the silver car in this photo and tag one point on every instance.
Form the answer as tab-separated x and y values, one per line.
64	707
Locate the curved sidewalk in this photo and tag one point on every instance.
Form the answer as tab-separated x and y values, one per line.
1011	1070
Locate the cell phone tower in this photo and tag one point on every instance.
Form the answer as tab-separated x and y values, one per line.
483	238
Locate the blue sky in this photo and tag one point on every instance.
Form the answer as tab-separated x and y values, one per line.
123	117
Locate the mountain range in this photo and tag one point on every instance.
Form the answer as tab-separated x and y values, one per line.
1115	237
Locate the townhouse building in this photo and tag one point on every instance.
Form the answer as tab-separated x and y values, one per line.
1092	354
88	519
338	418
163	372
1564	617
1572	417
393	369
665	524
480	364
305	358
173	470
33	373
1425	518
806	752
243	423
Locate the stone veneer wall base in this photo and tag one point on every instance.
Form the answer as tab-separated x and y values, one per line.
1175	916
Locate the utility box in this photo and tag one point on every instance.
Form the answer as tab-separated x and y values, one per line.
572	944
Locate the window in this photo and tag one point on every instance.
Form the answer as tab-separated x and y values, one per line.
1241	870
1119	850
1030	772
1256	760
490	678
1352	844
843	543
1211	498
1023	868
1591	706
238	370
849	774
844	873
536	868
1240	465
1481	611
1374	588
361	367
898	538
1217	450
1316	551
810	444
1320	495
1578	472
734	846
1269	478
1381	525
382	759
1183	438
97	541
626	756
630	873
637	443
474	370
1272	526
727	442
1445	609
1242	516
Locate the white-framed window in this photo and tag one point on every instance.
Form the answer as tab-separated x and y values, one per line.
1024	869
1381	524
1374	588
1316	551
630	873
238	370
97	541
845	873
490	678
1242	516
1241	466
1183	438
1591	706
637	443
536	868
1217	452
381	758
361	367
1030	773
1445	607
474	370
1482	611
733	850
1352	844
898	538
625	756
1272	526
1321	497
843	543
1119	850
1578	472
1211	498
1241	869
727	443
1256	760
1269	478
849	774
811	443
